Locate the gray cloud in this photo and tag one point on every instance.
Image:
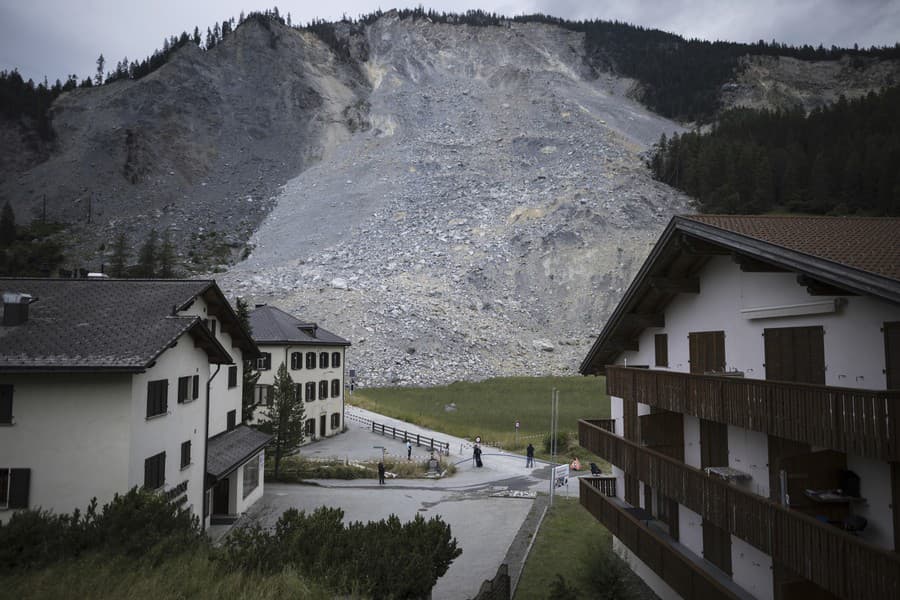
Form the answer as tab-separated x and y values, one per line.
59	37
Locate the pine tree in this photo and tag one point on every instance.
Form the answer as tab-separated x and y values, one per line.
166	258
286	417
119	260
147	257
251	375
196	37
7	226
98	78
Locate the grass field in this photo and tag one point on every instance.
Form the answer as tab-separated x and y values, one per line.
490	408
572	543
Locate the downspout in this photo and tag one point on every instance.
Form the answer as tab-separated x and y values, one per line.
206	442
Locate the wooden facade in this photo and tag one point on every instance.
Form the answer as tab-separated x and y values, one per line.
862	422
680	572
823	554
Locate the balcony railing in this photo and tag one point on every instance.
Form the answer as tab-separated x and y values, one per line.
606	485
823	554
862	422
605	424
682	574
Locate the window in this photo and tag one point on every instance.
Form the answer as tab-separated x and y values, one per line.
311	428
323	389
232	376
6	395
211	325
296	361
335	388
232	419
264	361
310	391
185	453
298	392
662	349
157	397
323	360
335	359
155	471
14	486
335	420
310	360
263	394
251	475
188	388
707	352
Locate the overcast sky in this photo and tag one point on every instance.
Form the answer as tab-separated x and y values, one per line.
59	37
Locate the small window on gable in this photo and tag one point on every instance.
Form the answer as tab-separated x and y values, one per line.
212	327
296	361
6	398
335	359
232	376
310	360
264	361
335	388
661	341
310	391
323	389
323	360
157	397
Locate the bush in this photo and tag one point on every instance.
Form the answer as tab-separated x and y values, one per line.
383	559
137	524
563	444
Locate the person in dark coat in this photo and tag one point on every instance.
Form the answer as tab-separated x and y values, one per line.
476	453
529	456
381	473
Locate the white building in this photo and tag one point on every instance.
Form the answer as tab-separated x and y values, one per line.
110	384
754	373
315	361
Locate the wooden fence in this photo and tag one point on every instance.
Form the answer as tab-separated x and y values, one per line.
415	438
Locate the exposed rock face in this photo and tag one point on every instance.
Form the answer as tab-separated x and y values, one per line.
498	200
783	83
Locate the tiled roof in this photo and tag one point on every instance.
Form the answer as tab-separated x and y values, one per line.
866	243
271	325
96	324
231	449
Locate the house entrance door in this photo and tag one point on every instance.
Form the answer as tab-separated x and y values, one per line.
220	497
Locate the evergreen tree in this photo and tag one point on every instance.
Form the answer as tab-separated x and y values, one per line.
286	417
118	263
7	226
166	257
196	37
147	257
98	78
251	375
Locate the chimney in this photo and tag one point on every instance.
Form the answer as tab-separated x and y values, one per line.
15	308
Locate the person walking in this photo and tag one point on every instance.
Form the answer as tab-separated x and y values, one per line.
408	450
381	473
529	457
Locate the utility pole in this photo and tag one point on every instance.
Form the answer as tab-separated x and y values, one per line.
554	426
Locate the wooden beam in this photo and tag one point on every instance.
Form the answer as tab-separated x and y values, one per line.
644	320
819	288
683	285
752	265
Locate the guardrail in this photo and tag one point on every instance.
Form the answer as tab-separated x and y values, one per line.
407	436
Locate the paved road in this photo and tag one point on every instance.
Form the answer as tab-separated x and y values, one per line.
484	526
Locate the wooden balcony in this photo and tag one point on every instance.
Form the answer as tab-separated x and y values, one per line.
677	570
605	424
821	553
862	422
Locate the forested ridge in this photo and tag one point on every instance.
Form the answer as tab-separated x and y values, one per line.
840	159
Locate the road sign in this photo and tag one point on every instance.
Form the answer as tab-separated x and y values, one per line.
561	475
517	424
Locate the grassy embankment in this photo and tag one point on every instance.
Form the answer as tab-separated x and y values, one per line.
490	408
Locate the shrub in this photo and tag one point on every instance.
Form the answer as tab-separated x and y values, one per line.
562	445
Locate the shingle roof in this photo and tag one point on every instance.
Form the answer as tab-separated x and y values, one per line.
231	449
100	324
865	243
274	326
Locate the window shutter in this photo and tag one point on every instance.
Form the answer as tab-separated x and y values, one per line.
148	473
183	388
335	359
6	398
323	389
232	418
335	388
196	387
268	361
20	483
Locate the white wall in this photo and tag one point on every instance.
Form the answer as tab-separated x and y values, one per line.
182	422
318	407
690	530
71	431
692	441
617	413
752	569
748	451
241	503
